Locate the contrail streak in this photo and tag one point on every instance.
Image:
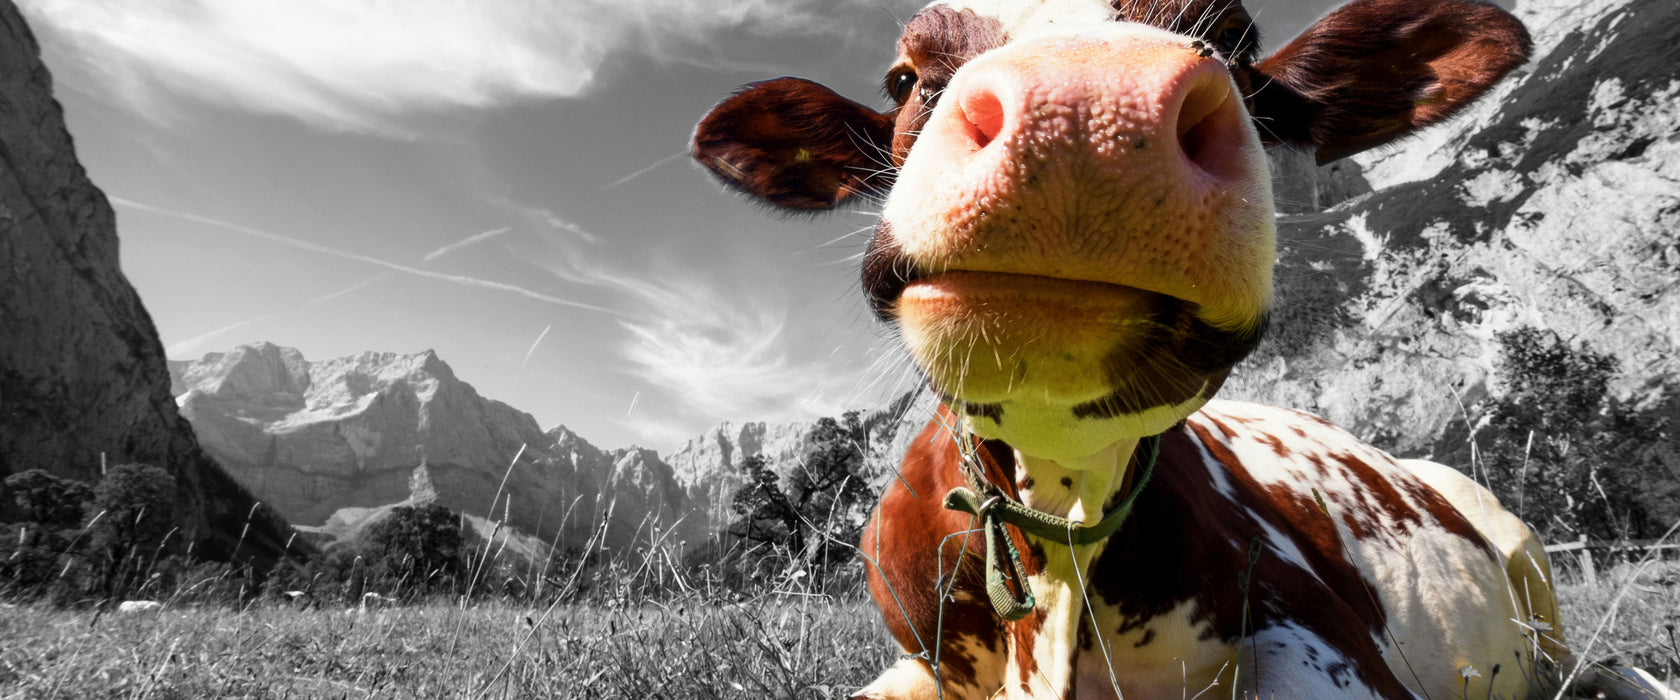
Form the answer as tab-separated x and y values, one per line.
531	351
347	290
346	255
475	238
177	349
188	344
642	172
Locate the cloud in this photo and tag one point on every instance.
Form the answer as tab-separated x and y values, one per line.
708	355
360	65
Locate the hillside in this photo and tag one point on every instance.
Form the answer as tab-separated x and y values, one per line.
1551	205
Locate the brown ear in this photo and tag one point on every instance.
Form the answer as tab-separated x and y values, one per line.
796	144
1374	71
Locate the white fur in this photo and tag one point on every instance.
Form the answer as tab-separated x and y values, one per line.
1025	19
1448	603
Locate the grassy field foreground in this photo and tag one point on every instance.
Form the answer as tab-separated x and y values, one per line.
787	648
796	649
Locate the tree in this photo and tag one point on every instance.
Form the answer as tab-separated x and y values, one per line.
1565	455
420	547
49	500
823	501
769	516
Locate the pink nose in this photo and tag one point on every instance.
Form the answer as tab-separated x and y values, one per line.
1110	107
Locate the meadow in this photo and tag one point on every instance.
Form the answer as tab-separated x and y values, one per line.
789	645
789	648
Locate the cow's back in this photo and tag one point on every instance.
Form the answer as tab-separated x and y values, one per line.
1376	562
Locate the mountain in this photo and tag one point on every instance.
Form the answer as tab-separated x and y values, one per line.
82	373
1552	204
333	443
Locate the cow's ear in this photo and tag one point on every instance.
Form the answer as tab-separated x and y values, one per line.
796	144
1376	70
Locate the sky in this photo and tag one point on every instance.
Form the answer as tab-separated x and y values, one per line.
502	181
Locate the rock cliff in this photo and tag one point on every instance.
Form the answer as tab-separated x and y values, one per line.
335	438
82	372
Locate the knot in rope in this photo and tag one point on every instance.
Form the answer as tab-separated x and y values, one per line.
989	504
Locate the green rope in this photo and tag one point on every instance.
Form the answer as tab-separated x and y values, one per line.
995	509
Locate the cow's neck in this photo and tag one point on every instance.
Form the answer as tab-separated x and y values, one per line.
1078	490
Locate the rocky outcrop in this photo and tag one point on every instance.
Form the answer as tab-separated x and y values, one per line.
82	372
335	438
1553	204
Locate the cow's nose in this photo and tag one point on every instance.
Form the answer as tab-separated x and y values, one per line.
1122	102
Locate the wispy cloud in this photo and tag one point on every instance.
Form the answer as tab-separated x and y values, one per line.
301	244
361	65
712	357
546	218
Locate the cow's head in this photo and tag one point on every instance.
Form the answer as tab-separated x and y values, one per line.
1076	236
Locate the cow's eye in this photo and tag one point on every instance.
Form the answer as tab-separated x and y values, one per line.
1232	37
899	85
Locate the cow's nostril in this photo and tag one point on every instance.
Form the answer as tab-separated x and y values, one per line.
1203	119
984	113
1194	140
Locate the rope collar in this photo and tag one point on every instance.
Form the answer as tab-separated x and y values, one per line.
994	508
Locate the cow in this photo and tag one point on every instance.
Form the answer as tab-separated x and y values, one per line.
1075	245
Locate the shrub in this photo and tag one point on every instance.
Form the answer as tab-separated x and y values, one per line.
131	523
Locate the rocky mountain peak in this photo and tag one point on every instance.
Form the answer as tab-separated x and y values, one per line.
261	369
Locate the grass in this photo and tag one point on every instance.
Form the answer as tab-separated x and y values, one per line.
808	648
1638	630
788	647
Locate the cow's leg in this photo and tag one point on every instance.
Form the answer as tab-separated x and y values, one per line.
909	679
1288	661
